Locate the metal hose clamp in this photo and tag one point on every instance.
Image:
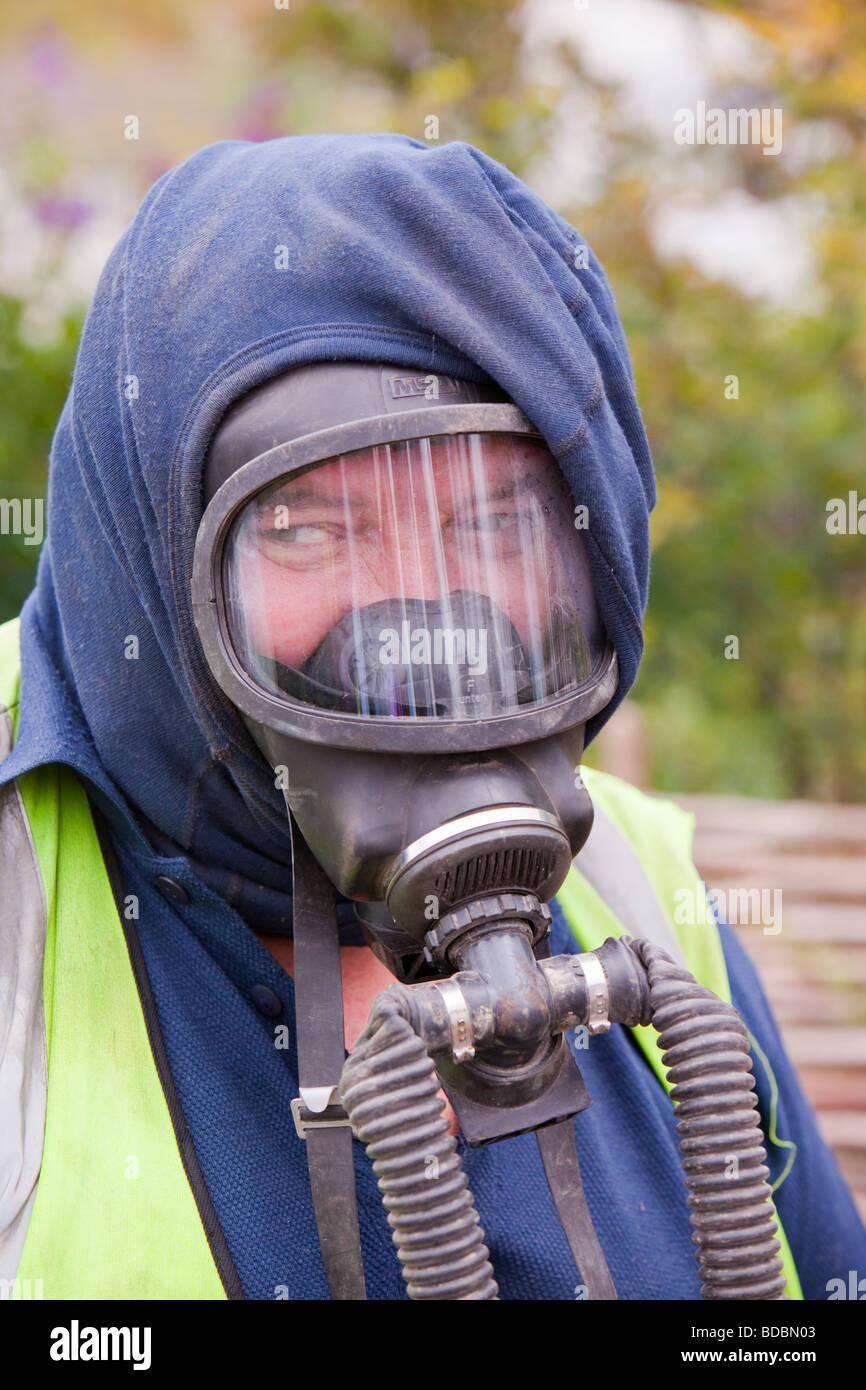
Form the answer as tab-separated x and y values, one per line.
597	993
459	1019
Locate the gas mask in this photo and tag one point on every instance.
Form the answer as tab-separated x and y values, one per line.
390	587
402	609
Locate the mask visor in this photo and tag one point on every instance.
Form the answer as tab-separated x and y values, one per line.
442	577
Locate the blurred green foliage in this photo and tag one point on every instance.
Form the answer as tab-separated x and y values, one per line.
741	547
34	382
740	541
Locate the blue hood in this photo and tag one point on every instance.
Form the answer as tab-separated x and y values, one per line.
437	259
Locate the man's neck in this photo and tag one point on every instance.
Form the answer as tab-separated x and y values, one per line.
363	977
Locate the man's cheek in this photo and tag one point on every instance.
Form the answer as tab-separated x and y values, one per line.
289	622
513	600
277	610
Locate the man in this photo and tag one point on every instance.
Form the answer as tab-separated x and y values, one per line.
153	1061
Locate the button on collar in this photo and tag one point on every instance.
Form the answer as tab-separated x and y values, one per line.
172	889
266	1001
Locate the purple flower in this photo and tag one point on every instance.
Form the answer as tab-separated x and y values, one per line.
48	56
58	210
260	118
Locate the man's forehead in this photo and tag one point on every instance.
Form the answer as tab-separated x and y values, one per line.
456	465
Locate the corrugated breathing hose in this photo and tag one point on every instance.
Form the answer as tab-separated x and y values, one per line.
389	1089
705	1047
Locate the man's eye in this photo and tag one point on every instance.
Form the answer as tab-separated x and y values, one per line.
488	523
308	533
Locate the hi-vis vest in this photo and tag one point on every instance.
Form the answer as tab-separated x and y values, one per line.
87	1087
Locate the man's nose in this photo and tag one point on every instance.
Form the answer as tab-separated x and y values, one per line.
404	568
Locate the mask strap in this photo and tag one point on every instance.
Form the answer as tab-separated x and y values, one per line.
321	1054
557	1145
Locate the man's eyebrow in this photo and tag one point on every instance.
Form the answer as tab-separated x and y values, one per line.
298	496
292	496
505	490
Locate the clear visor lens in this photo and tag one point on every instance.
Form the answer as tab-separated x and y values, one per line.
434	578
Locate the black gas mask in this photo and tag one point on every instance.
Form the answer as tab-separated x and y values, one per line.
391	588
401	608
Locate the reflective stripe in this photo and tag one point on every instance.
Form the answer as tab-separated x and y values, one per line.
610	864
23	1060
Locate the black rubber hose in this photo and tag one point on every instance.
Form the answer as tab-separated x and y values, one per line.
389	1089
705	1047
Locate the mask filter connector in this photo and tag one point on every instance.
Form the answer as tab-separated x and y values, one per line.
524	907
469	858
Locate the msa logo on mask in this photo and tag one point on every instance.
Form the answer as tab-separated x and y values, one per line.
431	386
439	646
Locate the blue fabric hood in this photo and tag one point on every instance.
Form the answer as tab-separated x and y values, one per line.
438	259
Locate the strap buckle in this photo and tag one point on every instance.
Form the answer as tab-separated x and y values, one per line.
315	1108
